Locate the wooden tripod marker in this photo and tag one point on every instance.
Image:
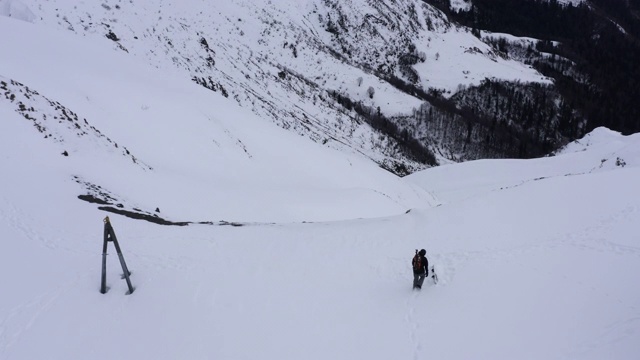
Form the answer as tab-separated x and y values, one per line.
110	235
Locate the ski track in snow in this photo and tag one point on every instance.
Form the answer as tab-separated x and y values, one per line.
447	262
15	218
414	324
584	239
416	313
20	319
615	333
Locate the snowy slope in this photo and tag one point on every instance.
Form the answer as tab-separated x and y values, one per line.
185	145
543	269
536	258
280	59
607	150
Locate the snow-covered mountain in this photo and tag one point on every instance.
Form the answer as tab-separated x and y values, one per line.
122	116
284	59
288	248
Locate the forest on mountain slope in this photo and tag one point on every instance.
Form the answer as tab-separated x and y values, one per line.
595	63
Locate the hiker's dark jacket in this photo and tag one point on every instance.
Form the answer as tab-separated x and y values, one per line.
423	268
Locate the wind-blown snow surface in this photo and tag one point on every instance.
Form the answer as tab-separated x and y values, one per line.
539	259
536	258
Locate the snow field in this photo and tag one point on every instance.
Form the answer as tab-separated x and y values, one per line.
537	259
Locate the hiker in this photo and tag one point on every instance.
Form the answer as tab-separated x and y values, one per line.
420	268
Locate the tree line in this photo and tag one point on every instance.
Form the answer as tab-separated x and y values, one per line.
414	148
602	40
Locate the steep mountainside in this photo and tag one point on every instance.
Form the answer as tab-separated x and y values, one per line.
347	74
150	144
590	48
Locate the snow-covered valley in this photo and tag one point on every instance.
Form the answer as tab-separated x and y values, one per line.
293	249
282	59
